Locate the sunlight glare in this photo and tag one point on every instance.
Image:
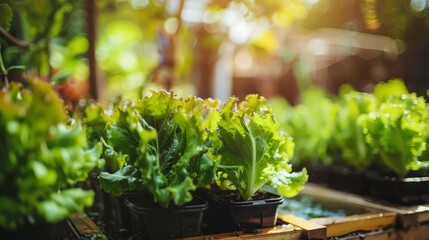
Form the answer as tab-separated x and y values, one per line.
243	60
128	61
171	25
240	32
318	46
138	4
419	5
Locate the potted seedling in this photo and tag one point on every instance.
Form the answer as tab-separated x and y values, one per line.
165	140
42	160
351	153
107	207
309	123
398	131
253	152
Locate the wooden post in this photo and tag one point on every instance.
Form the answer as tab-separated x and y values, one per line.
91	18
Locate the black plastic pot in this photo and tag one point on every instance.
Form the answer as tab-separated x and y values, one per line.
226	213
120	215
38	230
344	178
410	190
152	222
338	177
318	174
117	218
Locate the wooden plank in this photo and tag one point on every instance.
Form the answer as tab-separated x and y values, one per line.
338	226
280	232
407	216
82	227
349	238
382	235
372	235
414	233
412	216
423	214
368	204
310	230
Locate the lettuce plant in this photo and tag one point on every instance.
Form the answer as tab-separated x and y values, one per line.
165	141
348	145
253	150
398	130
310	124
42	158
394	87
95	117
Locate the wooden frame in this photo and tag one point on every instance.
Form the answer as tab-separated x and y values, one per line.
381	221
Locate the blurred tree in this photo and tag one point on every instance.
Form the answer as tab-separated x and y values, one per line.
47	38
141	42
33	27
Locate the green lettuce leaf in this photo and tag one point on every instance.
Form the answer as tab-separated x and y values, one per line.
398	131
167	139
42	157
348	143
6	13
62	204
310	124
172	168
253	149
124	180
393	87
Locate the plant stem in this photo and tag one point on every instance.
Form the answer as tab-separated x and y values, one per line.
12	40
3	73
252	173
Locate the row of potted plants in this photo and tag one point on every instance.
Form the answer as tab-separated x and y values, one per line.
184	155
201	158
157	155
44	155
377	140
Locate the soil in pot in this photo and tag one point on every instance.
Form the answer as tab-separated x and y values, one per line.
228	213
153	222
